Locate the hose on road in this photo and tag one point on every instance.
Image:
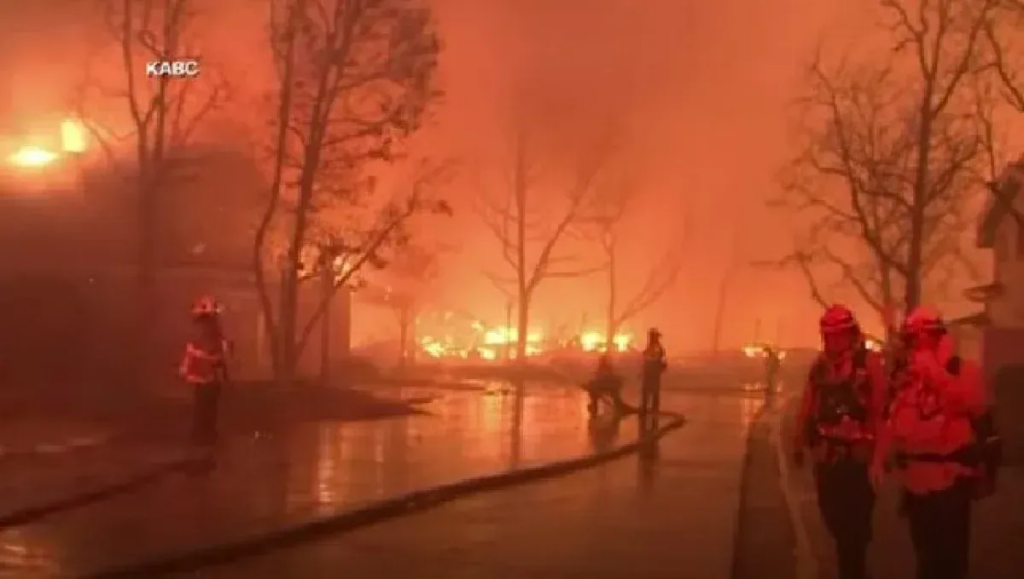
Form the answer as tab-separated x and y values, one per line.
388	509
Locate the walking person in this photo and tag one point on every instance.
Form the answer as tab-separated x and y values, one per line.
947	452
840	413
204	368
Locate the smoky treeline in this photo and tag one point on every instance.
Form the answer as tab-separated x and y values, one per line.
308	173
899	139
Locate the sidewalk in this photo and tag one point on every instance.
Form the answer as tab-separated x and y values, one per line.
263	483
667	516
996	543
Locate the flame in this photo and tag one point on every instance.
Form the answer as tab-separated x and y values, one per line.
594	342
489	343
33	157
505	335
755	351
73	136
492	343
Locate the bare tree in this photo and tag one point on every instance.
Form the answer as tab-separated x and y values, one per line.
407	285
164	115
517	221
893	148
1000	33
611	209
355	80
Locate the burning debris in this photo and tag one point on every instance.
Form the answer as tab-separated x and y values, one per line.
448	337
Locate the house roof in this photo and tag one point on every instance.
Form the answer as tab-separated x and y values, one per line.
1005	191
980	319
985	293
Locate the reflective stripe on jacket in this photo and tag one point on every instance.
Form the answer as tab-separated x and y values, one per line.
202	366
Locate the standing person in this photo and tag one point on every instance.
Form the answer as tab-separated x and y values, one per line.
947	452
204	367
839	415
654	365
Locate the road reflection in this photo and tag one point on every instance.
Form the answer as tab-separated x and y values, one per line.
26	555
464	434
266	481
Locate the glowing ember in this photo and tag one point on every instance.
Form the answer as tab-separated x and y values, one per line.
33	157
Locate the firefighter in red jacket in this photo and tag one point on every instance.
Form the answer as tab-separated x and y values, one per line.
839	415
204	367
942	435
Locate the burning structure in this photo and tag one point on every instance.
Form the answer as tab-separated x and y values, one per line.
450	336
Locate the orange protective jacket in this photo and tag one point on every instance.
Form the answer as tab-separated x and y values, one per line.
933	416
203	363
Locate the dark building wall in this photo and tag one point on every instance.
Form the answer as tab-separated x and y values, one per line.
68	274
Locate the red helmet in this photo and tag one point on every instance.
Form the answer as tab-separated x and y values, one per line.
923	320
837	318
206	306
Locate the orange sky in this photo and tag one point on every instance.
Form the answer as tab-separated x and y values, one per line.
707	82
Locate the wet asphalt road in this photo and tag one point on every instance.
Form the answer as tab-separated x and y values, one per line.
669	515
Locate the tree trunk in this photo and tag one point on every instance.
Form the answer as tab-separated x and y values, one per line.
146	272
723	290
611	323
508	328
287	325
327	287
912	296
522	327
403	336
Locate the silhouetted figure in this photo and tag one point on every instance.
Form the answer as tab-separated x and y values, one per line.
605	386
654	365
204	368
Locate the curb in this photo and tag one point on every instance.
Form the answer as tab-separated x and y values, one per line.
738	523
806	562
410	503
131	483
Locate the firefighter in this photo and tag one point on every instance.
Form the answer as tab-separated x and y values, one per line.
204	367
605	385
839	415
947	452
654	365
